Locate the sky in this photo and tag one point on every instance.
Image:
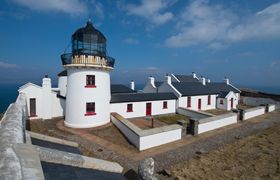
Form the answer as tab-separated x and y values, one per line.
238	39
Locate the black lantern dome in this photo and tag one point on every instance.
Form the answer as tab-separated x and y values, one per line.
88	40
88	49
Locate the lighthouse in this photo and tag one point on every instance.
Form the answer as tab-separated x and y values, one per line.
88	79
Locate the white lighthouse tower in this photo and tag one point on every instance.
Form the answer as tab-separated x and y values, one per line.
88	79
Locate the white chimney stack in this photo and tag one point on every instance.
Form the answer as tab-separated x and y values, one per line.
203	80
152	81
208	80
47	98
168	79
193	74
226	80
132	85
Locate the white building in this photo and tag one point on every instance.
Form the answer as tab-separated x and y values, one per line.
86	97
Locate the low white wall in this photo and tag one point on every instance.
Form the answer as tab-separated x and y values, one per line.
139	108
196	115
129	133
215	122
160	138
145	139
271	107
253	112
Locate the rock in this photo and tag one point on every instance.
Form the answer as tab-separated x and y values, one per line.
146	169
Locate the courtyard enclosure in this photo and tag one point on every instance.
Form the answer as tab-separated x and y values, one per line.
270	107
196	115
145	139
253	112
211	123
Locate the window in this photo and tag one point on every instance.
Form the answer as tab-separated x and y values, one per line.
221	101
90	81
32	103
209	99
90	109
164	105
189	101
129	108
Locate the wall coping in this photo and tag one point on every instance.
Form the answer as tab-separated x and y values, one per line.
147	132
254	109
199	112
216	118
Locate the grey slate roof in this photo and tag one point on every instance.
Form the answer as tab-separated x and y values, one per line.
186	78
223	94
193	89
137	97
119	88
221	86
62	73
158	83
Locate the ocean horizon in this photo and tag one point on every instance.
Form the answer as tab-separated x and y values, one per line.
9	92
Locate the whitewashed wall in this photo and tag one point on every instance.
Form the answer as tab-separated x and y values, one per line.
56	106
271	107
160	137
253	112
130	131
139	108
33	91
62	85
222	106
145	139
215	122
194	102
77	96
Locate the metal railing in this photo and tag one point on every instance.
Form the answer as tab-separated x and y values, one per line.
87	59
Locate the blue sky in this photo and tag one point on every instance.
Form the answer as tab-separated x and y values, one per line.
234	38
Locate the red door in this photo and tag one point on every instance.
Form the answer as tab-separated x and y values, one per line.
32	107
199	104
148	109
231	103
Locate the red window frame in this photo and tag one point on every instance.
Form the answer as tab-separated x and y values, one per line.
90	109
32	113
209	100
90	81
221	101
164	105
189	101
129	108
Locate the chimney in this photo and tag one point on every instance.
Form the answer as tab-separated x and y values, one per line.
203	80
208	80
152	81
46	83
193	74
226	80
168	79
132	85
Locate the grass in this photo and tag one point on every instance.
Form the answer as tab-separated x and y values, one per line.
172	119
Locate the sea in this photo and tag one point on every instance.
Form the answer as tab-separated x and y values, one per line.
9	92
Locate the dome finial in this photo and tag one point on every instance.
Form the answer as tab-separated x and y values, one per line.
89	22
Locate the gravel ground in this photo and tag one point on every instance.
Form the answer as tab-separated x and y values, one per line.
253	157
165	159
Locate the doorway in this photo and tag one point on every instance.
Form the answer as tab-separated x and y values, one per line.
148	109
